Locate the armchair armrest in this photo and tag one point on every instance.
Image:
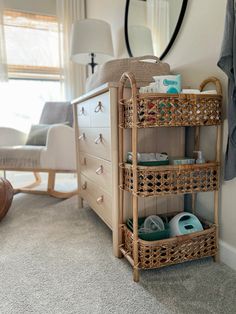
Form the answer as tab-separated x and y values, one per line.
11	137
60	148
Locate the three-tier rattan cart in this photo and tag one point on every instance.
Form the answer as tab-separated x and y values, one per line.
167	110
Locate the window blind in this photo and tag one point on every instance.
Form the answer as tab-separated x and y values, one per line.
32	45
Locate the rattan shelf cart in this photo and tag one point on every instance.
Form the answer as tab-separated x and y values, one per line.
167	110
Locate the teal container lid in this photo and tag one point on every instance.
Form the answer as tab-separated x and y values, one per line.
152	163
189	224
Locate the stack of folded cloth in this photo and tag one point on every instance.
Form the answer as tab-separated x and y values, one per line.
197	91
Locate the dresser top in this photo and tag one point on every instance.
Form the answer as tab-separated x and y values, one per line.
97	91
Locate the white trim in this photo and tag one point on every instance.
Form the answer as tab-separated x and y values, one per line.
227	254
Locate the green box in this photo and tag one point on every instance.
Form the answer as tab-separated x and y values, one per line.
152	163
151	236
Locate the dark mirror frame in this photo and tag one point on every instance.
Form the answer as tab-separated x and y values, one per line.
173	37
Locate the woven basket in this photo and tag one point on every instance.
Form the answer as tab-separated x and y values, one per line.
174	109
172	179
156	254
111	71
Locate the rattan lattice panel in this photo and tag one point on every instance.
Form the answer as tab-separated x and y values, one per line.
172	179
165	110
156	254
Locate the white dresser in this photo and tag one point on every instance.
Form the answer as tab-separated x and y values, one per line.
96	131
97	156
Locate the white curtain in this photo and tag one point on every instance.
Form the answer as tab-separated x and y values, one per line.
73	75
158	20
3	58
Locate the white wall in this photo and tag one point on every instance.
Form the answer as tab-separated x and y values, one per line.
194	55
113	12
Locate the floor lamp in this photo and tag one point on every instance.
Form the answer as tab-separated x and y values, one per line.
91	42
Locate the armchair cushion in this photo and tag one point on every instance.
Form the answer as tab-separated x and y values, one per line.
38	134
57	112
20	157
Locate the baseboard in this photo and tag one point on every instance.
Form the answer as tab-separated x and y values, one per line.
227	254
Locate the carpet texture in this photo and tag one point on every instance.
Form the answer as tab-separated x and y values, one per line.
56	258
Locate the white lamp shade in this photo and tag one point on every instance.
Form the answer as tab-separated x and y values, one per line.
140	40
91	36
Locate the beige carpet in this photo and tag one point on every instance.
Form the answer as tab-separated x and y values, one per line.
56	258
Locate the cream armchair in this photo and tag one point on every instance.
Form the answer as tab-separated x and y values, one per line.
57	156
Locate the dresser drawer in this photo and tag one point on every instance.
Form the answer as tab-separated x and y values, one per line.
96	169
98	199
100	110
84	114
95	141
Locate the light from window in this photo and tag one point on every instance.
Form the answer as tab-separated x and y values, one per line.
33	68
22	101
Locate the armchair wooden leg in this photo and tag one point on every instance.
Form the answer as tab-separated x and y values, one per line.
36	182
51	181
30	186
51	187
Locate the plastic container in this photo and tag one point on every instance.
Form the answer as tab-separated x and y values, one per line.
182	161
150	236
154	223
184	223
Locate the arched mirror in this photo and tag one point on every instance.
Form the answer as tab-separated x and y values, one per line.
151	26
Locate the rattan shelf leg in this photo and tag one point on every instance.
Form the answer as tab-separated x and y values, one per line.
135	245
134	136
216	220
194	196
120	178
216	193
197	138
135	274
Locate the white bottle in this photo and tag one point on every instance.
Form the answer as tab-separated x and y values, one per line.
200	159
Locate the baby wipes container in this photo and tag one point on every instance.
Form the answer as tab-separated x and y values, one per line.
184	223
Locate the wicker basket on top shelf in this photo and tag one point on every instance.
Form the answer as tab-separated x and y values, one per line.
174	109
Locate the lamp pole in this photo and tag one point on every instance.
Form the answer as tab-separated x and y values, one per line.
92	63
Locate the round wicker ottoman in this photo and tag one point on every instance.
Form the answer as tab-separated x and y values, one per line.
6	196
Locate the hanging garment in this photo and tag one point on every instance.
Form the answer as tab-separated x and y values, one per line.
227	63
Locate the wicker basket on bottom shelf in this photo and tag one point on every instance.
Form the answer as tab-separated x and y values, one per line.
156	254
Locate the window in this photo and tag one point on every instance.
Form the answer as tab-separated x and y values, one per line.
33	67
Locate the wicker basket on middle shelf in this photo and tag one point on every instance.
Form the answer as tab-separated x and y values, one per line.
172	179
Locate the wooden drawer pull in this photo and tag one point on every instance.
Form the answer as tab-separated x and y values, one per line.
99	107
84	186
98	139
99	170
99	199
83	161
82	137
